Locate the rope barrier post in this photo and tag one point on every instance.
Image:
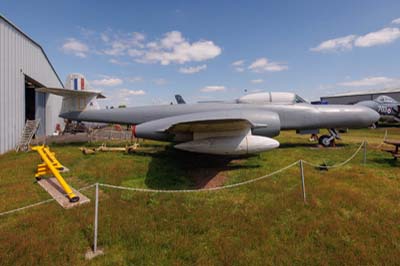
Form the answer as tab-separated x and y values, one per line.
365	153
303	185
95	252
96	216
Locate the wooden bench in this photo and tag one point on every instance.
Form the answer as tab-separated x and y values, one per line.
395	152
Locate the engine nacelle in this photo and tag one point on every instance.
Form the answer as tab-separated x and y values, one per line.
236	145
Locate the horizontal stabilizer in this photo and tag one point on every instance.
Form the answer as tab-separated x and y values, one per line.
74	100
71	93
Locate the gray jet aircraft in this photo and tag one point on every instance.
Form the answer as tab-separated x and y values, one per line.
387	107
244	126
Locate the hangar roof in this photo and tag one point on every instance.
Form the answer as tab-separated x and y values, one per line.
364	92
34	42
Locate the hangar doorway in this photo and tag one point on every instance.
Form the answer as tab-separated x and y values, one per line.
35	104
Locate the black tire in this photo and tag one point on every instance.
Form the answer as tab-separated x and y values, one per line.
74	199
324	141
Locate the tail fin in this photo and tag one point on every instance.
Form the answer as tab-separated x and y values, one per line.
179	99
74	100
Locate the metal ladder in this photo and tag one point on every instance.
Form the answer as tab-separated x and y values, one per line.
31	126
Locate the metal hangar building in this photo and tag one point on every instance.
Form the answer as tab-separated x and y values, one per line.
357	96
24	66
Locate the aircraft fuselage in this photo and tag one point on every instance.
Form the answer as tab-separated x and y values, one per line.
292	116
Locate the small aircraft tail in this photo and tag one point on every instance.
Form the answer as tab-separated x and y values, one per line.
179	99
74	100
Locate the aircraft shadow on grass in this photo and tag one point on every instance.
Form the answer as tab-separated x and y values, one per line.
289	145
174	169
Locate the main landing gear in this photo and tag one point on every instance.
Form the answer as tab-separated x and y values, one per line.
329	140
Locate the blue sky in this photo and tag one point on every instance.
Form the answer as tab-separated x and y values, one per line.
144	52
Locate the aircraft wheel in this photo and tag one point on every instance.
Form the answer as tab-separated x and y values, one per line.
325	141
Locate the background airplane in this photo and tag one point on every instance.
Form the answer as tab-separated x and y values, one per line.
179	99
387	107
245	126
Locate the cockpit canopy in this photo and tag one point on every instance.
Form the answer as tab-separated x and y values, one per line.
385	99
271	98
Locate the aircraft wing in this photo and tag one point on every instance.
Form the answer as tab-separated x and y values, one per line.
206	121
222	132
220	125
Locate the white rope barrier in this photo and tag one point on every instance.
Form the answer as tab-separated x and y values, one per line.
41	202
201	189
26	207
194	190
383	141
339	164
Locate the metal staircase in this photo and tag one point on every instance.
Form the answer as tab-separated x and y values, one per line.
30	129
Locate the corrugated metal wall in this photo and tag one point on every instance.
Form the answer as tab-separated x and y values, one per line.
20	56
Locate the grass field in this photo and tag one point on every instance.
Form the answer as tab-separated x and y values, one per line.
352	216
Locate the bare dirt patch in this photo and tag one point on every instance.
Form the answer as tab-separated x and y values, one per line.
209	178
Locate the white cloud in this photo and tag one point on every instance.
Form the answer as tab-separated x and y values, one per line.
86	32
134	79
174	48
396	21
124	96
192	70
117	62
171	39
119	44
238	65
257	81
371	82
135	52
171	48
126	92
75	47
137	39
338	44
383	36
380	37
117	48
213	89
107	82
160	82
264	65
104	37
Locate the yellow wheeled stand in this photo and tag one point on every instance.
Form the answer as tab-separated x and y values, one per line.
51	165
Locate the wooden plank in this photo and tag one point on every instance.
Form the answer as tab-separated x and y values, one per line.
392	142
52	187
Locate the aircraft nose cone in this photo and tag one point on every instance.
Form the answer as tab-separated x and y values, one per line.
371	116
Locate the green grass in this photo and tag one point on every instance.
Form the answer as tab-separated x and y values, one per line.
352	216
